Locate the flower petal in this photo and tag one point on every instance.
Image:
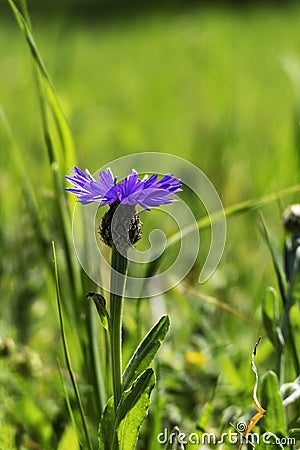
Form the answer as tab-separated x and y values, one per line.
147	192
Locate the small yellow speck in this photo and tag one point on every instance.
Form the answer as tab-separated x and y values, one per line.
195	358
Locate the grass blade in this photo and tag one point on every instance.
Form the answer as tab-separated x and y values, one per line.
51	95
67	400
231	211
276	265
239	208
67	356
34	208
61	156
49	98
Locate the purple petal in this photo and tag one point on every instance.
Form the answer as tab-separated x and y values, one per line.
150	181
107	179
147	192
88	189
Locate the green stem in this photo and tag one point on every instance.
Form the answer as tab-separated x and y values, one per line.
117	283
288	336
280	363
294	350
96	373
138	321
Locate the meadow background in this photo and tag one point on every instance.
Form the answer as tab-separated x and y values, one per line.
217	84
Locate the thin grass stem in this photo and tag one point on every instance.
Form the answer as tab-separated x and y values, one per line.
67	356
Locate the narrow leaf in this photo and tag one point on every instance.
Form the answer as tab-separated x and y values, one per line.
274	420
146	351
205	415
295	282
69	440
230	211
100	304
114	431
34	207
128	430
50	93
68	403
237	209
49	98
270	313
294	433
276	264
106	426
131	396
290	392
199	432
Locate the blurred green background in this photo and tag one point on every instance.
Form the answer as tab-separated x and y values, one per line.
215	83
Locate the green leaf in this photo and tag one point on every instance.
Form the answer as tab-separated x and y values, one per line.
7	437
290	392
201	427
69	440
100	304
203	422
205	416
154	424
121	431
276	264
132	395
274	420
106	426
138	400
270	313
294	433
146	351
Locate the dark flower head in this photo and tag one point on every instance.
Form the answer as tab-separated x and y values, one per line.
132	191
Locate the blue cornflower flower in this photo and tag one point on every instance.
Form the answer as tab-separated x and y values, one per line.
132	191
124	228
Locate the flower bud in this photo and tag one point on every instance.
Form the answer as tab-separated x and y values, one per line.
291	219
121	226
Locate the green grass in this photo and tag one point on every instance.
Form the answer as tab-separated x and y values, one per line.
216	86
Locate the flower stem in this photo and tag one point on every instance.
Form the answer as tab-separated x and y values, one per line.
117	283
